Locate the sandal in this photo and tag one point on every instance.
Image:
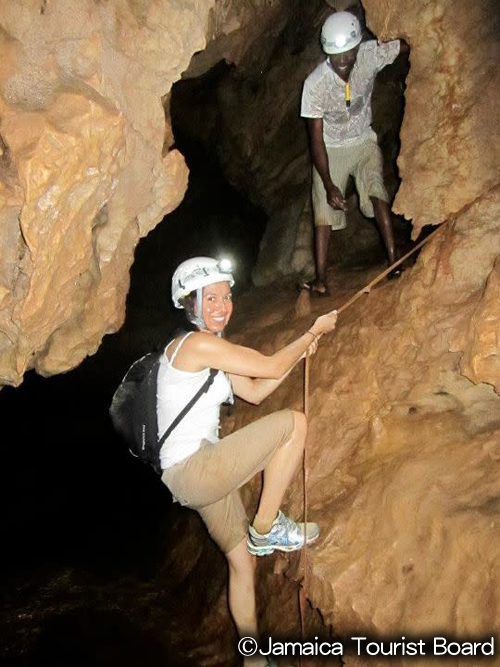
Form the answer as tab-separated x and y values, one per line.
395	273
311	287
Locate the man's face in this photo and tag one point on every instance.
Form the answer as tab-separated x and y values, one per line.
342	63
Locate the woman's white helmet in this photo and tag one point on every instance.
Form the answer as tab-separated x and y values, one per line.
197	272
341	32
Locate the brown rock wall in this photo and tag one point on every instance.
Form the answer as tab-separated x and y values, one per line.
86	173
450	137
403	449
481	360
86	164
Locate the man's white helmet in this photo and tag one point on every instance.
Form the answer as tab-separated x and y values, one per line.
341	32
198	272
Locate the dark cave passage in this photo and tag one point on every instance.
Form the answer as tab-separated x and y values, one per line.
91	573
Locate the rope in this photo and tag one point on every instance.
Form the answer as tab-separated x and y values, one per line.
381	276
303	554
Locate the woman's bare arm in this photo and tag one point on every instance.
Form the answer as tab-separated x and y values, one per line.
255	390
202	350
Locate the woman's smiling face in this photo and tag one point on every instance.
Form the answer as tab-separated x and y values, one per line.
217	306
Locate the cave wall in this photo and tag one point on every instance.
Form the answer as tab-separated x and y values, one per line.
452	114
403	448
86	165
403	445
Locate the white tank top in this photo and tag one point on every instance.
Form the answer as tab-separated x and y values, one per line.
175	389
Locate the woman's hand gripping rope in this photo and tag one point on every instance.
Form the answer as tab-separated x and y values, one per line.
324	324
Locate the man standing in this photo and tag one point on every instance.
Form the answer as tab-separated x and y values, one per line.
336	100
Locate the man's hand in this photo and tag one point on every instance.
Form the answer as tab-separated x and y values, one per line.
335	198
320	160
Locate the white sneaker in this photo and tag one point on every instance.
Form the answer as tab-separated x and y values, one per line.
285	535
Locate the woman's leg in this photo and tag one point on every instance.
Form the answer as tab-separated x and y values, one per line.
278	474
242	590
242	596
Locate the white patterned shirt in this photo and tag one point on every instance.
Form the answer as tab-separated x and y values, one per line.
323	95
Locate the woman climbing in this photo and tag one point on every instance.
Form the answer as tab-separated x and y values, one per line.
205	473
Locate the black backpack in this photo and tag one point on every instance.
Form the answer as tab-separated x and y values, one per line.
133	409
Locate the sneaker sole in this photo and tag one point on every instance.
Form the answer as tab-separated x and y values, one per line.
266	551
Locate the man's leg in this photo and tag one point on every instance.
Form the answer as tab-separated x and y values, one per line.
384	222
321	243
372	193
327	218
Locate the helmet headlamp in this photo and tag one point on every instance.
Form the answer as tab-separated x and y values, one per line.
199	272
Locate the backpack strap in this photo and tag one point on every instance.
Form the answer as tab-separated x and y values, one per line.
179	344
202	390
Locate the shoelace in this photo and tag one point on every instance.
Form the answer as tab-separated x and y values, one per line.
287	525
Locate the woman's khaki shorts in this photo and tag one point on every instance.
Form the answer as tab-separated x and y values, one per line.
208	481
364	162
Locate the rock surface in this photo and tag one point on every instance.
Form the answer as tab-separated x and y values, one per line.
452	115
86	162
403	450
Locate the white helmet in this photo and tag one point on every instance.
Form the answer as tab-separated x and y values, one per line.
197	272
340	32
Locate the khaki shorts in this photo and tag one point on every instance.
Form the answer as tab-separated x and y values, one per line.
364	162
208	481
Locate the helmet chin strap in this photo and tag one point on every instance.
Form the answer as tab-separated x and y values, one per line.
196	318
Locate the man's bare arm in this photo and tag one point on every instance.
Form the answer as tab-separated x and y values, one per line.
320	159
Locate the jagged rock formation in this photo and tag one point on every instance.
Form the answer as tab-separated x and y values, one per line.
403	449
86	166
452	116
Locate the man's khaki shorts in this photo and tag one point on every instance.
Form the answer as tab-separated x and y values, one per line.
364	162
208	481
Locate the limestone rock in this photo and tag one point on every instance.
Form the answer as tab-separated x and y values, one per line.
450	148
403	449
86	167
481	360
86	176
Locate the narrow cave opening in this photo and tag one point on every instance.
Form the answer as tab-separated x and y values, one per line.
214	219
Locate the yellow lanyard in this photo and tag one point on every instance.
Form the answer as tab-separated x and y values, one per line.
348	94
